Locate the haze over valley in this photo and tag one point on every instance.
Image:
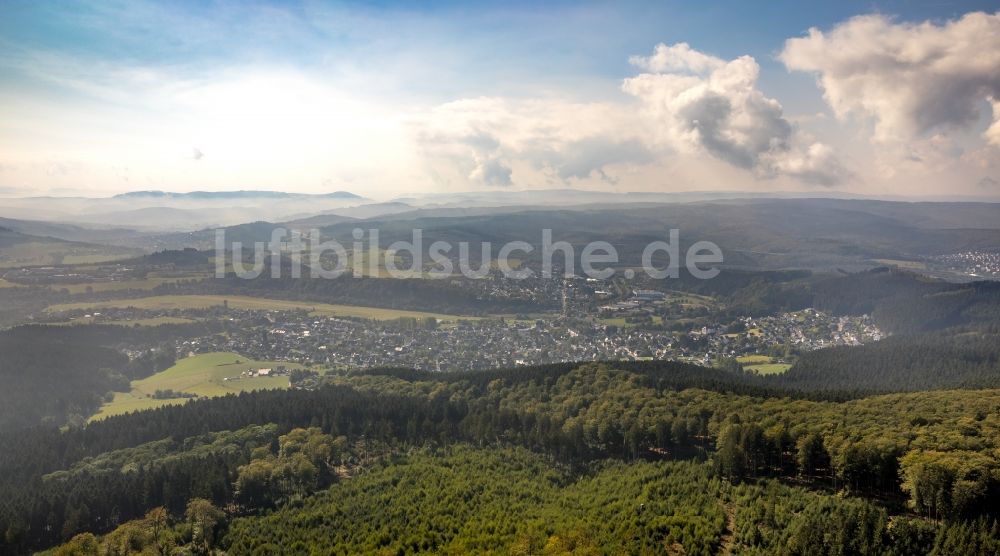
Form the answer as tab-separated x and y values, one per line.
507	278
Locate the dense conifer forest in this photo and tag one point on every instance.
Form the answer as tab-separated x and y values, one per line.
757	469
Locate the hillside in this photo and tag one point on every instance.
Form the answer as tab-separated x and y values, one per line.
590	428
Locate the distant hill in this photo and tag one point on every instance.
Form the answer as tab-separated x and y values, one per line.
67	232
372	210
242	194
9	237
160	211
753	233
772	233
318	221
21	249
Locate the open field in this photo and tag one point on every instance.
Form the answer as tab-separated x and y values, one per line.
94	258
144	284
623	322
202	375
126	402
153	321
36	253
906	265
31	253
363	263
689	300
768	368
762	364
753	359
163	302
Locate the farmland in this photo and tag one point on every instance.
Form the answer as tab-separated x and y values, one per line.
205	375
168	302
151	321
33	253
768	368
147	283
762	364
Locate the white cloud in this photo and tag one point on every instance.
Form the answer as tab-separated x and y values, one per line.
491	171
912	80
677	58
503	141
698	102
992	134
700	105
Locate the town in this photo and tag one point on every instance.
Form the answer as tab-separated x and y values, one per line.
974	264
477	343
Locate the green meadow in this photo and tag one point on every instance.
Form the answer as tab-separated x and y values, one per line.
205	375
164	302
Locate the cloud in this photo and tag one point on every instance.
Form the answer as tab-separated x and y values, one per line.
196	154
688	102
590	156
502	141
992	134
491	171
473	152
677	58
698	102
911	79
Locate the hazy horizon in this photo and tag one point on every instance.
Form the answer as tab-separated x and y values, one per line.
548	278
885	99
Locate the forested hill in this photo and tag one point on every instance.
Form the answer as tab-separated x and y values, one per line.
45	380
943	336
961	358
940	454
661	375
61	374
901	302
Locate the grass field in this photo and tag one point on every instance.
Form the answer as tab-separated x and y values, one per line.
906	265
242	302
6	284
689	300
153	321
364	263
753	359
144	284
36	253
201	375
621	322
363	260
768	368
31	253
94	258
762	364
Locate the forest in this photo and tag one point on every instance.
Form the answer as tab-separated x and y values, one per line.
772	470
56	375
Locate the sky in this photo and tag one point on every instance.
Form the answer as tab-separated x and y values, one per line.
389	99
